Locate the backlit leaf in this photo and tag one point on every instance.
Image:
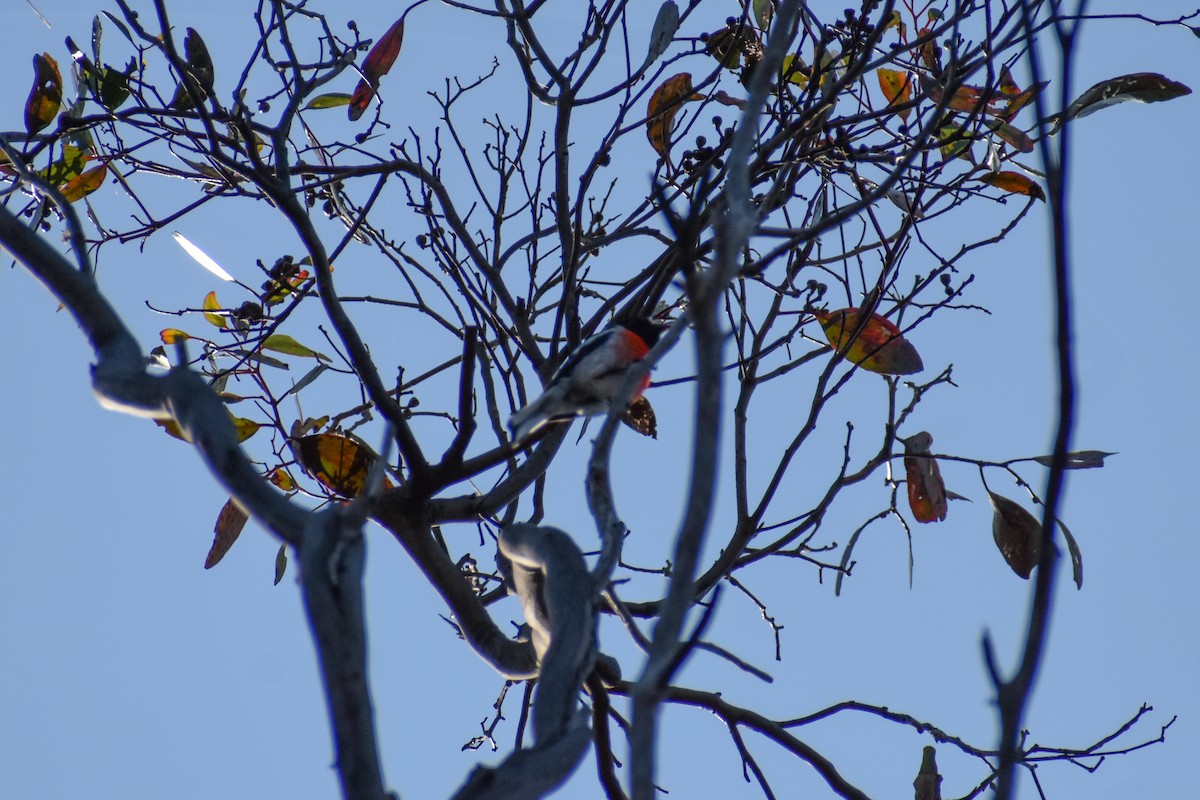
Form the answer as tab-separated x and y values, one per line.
1141	87
926	491
282	479
1080	459
1017	533
45	97
202	258
764	10
897	89
376	65
211	305
67	168
338	462
955	142
1014	183
286	344
229	526
82	185
243	427
640	417
873	342
172	335
331	100
664	104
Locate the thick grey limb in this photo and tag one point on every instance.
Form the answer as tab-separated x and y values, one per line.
545	570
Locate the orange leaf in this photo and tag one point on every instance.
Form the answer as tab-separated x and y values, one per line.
875	343
81	186
1014	183
664	104
926	492
897	88
376	65
229	526
45	97
172	335
337	461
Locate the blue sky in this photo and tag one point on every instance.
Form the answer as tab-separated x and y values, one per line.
132	672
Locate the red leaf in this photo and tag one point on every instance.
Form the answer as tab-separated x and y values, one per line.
376	65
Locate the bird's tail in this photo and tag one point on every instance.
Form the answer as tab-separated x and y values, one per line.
528	420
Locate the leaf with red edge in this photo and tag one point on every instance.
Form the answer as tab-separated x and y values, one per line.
873	342
1014	183
897	87
1018	534
45	97
376	65
926	491
664	104
229	526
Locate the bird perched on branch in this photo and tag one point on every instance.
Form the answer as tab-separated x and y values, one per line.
587	381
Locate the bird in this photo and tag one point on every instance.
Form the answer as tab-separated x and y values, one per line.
585	384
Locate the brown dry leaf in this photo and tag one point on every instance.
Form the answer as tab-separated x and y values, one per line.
664	104
1018	534
229	526
640	417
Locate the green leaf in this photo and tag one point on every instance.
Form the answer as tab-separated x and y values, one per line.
211	304
1076	554
331	100
283	343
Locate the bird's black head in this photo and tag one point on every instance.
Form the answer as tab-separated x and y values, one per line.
649	331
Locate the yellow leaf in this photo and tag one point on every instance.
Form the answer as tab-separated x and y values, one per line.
286	344
341	464
211	305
